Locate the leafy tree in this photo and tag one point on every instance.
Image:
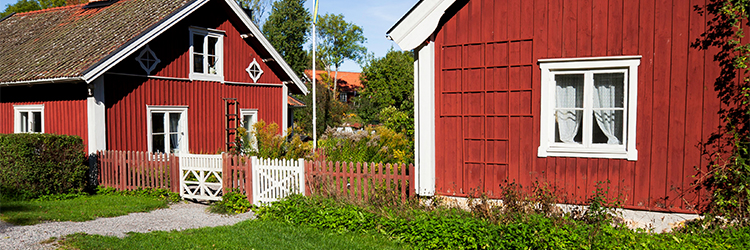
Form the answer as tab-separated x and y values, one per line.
32	5
287	28
389	82
258	7
727	175
330	111
339	41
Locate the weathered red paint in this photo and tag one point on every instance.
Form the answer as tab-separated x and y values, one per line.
488	99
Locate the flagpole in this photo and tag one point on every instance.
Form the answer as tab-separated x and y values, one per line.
314	77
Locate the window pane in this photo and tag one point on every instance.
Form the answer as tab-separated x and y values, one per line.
212	42
174	143
568	126
608	90
247	122
607	127
198	43
157	122
37	122
212	65
157	144
174	122
198	63
569	91
24	122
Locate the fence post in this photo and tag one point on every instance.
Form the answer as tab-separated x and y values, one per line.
301	167
249	174
225	173
412	183
174	173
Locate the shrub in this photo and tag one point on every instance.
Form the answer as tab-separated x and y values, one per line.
270	144
231	202
373	144
32	165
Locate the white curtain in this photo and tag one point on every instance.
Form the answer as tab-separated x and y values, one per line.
606	96
569	95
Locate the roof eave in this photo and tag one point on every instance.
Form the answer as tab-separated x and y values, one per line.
43	81
418	24
267	45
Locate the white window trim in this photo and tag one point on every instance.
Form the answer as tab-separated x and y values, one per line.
219	76
547	146
254	113
18	109
249	73
145	50
183	126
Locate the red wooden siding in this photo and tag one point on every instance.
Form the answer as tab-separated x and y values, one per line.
127	98
488	99
64	107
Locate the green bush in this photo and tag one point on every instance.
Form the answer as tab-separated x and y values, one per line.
270	144
373	144
32	165
231	202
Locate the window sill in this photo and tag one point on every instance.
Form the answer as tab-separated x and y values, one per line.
606	153
206	77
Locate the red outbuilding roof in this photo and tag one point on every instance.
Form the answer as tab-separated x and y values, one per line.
347	81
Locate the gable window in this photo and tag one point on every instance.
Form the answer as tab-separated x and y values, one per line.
249	118
147	59
28	118
206	50
589	107
167	129
254	70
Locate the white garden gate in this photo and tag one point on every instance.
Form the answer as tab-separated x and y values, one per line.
276	179
200	177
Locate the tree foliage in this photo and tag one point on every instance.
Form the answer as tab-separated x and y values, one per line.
389	82
287	28
32	5
728	174
330	111
258	8
339	41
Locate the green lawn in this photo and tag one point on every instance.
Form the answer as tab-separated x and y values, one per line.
78	209
251	234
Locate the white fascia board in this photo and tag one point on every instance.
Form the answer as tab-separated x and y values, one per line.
99	69
43	81
419	24
263	41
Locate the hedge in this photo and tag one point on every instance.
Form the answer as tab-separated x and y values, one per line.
32	165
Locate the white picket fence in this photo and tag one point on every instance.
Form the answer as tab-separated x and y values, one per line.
276	179
202	168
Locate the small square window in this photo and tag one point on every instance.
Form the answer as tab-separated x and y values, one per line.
206	49
147	59
29	118
254	70
589	107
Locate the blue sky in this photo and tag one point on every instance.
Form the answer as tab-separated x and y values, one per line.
374	16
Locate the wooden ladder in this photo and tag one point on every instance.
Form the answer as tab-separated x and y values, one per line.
232	121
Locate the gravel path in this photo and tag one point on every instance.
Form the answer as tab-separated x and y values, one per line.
178	216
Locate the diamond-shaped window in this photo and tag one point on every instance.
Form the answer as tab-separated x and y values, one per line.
254	70
147	59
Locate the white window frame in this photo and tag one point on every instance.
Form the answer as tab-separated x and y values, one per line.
183	126
551	67
18	109
206	33
254	114
139	59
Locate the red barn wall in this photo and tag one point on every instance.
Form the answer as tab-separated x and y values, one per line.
488	82
64	107
127	94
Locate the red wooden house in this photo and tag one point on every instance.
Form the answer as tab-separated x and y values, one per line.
565	92
143	75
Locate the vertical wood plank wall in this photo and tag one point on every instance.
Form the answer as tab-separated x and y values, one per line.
488	98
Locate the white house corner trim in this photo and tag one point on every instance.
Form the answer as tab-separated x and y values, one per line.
96	116
424	74
284	109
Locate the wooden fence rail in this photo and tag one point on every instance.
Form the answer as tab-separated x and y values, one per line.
359	180
128	170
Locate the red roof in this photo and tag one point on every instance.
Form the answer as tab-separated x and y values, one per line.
347	81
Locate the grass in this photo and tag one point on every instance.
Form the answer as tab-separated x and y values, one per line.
83	208
251	234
